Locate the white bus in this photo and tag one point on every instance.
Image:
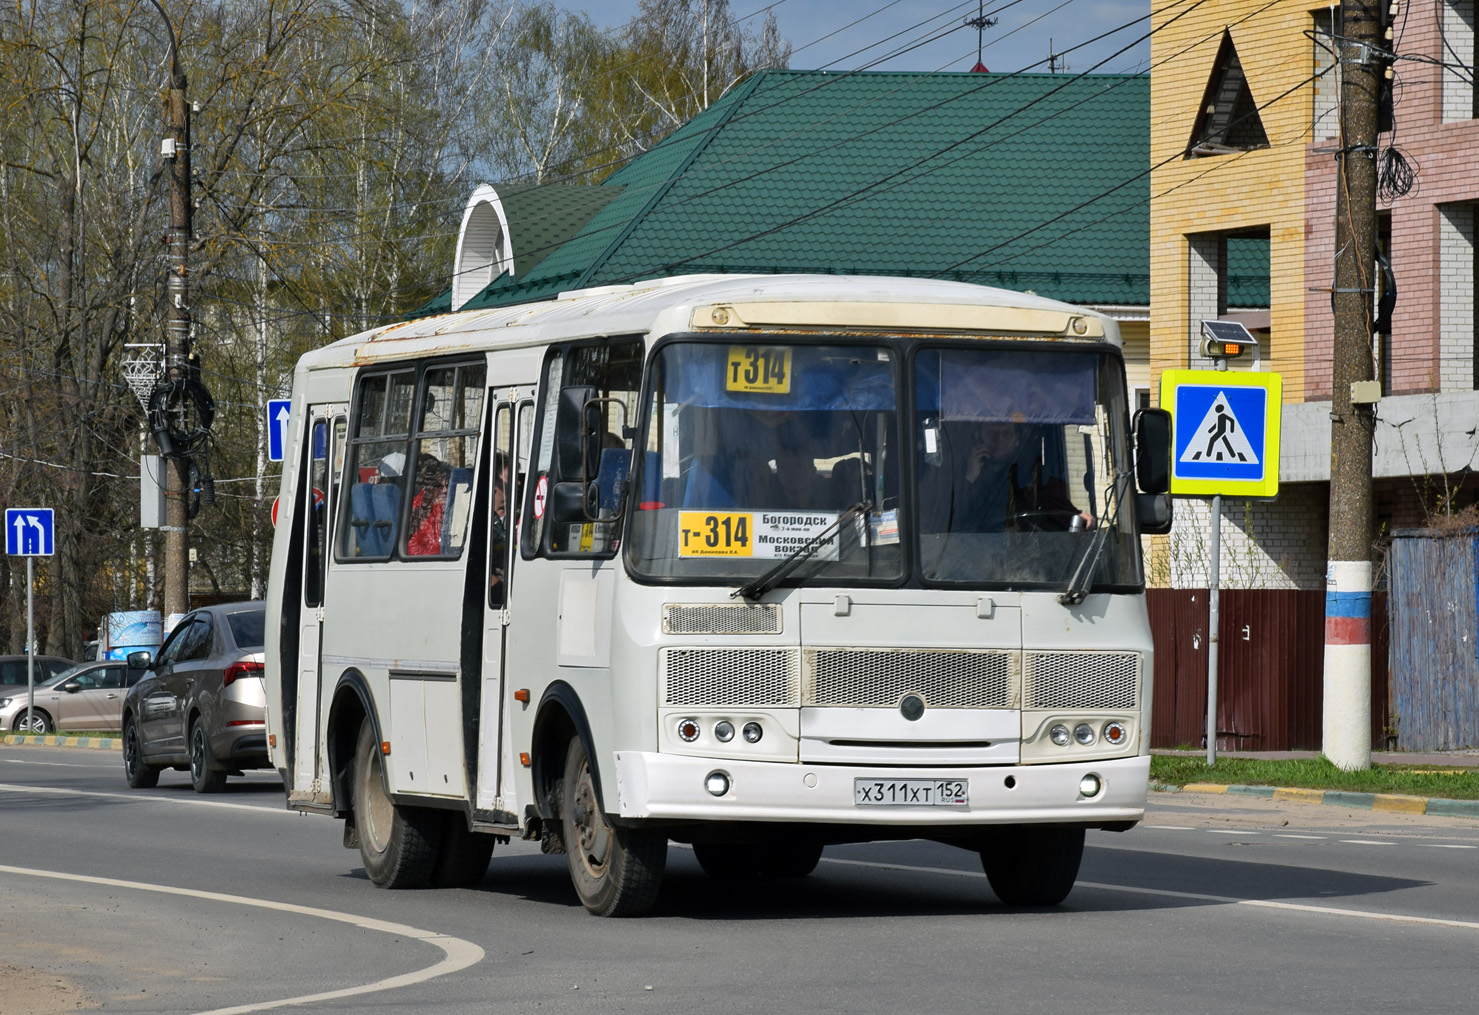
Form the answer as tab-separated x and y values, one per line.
757	564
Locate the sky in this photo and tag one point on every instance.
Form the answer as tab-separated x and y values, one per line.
931	35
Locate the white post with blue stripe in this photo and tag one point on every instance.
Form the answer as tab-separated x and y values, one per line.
1346	713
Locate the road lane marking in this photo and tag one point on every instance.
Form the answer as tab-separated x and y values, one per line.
1447	845
1229	831
457	953
1366	842
1297	907
140	797
1291	835
1169	828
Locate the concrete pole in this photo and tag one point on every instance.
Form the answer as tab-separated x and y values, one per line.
1347	699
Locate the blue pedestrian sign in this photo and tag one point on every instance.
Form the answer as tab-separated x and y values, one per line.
277	428
29	532
1225	431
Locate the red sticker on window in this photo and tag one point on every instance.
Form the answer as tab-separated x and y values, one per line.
541	494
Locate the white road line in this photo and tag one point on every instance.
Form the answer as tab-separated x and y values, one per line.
1192	896
49	764
1447	845
1229	831
1291	835
1366	842
190	801
1169	828
457	953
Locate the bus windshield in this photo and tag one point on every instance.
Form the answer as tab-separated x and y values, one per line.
1016	457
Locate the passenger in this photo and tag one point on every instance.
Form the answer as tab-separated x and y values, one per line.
1005	486
428	506
498	541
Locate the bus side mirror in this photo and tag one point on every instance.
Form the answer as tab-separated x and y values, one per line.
1153	513
577	433
1153	450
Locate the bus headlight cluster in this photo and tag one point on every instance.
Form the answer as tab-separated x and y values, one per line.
689	730
1114	733
752	732
724	731
1059	734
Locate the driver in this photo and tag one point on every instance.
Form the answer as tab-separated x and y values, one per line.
1006	487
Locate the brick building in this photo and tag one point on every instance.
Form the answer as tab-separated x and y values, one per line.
1244	128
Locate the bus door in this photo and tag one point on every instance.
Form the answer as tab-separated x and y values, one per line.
513	423
327	426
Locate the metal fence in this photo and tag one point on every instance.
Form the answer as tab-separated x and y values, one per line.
1270	671
1435	638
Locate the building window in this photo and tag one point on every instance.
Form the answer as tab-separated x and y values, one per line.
1228	119
1458	363
1227	278
1456	27
1326	117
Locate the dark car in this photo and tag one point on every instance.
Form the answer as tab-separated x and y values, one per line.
88	696
13	670
201	707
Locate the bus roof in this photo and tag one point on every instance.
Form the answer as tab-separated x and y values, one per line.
728	302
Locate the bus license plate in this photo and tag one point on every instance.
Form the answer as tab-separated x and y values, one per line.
911	792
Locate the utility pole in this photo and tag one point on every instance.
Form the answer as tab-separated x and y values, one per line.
176	147
1347	698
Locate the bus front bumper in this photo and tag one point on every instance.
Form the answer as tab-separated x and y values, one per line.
672	787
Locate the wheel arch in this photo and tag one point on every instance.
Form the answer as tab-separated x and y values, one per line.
561	716
351	705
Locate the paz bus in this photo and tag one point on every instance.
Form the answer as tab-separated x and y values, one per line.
755	564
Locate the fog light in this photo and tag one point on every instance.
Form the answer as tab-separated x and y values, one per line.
724	731
717	783
752	732
688	730
1059	735
1084	733
1115	733
1089	786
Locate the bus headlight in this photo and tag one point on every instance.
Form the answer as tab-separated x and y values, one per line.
752	732
1059	735
1084	733
724	731
717	783
1115	733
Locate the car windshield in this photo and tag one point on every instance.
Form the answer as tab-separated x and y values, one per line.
248	628
1021	452
753	450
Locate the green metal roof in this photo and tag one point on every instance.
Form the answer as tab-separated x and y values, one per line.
1026	181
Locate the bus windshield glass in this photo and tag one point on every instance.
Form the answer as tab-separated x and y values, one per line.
1022	456
752	450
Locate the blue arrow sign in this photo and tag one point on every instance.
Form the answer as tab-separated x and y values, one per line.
29	532
277	428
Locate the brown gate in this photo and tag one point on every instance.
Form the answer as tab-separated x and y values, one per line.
1269	672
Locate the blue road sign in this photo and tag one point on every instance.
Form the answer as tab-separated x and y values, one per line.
1226	431
277	428
30	532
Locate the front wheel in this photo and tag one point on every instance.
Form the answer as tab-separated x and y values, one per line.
138	774
35	722
399	845
616	871
1033	865
464	854
204	775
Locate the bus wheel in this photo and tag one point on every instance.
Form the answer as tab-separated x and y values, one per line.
728	861
1033	865
463	858
616	871
397	844
790	860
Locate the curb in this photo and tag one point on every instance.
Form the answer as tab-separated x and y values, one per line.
96	743
1390	802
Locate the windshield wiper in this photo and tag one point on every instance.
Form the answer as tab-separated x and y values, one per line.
757	587
1082	578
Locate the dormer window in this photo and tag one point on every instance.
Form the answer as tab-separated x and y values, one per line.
1228	120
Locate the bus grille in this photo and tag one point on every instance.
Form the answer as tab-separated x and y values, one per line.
1081	680
757	618
730	676
944	678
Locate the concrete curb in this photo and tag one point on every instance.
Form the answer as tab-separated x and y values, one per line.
1390	802
96	743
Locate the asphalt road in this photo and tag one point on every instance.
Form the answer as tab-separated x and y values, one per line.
164	901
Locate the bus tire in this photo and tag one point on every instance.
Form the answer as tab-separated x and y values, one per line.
790	859
1031	865
397	844
728	861
138	774
616	871
463	857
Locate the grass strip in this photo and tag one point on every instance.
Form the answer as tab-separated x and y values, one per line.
1316	774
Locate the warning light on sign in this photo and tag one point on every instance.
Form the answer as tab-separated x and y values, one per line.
1225	339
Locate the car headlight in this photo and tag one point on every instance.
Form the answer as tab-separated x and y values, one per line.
5	701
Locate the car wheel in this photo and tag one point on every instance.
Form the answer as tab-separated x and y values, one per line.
138	774
35	722
1033	866
204	775
399	845
616	871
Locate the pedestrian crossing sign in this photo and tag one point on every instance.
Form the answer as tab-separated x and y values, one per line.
1225	431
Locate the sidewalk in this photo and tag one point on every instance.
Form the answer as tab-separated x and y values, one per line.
1389	802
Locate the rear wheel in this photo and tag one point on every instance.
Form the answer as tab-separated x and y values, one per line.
397	844
204	775
464	854
138	774
1033	865
616	871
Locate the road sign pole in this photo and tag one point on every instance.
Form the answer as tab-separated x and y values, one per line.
31	644
1214	576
